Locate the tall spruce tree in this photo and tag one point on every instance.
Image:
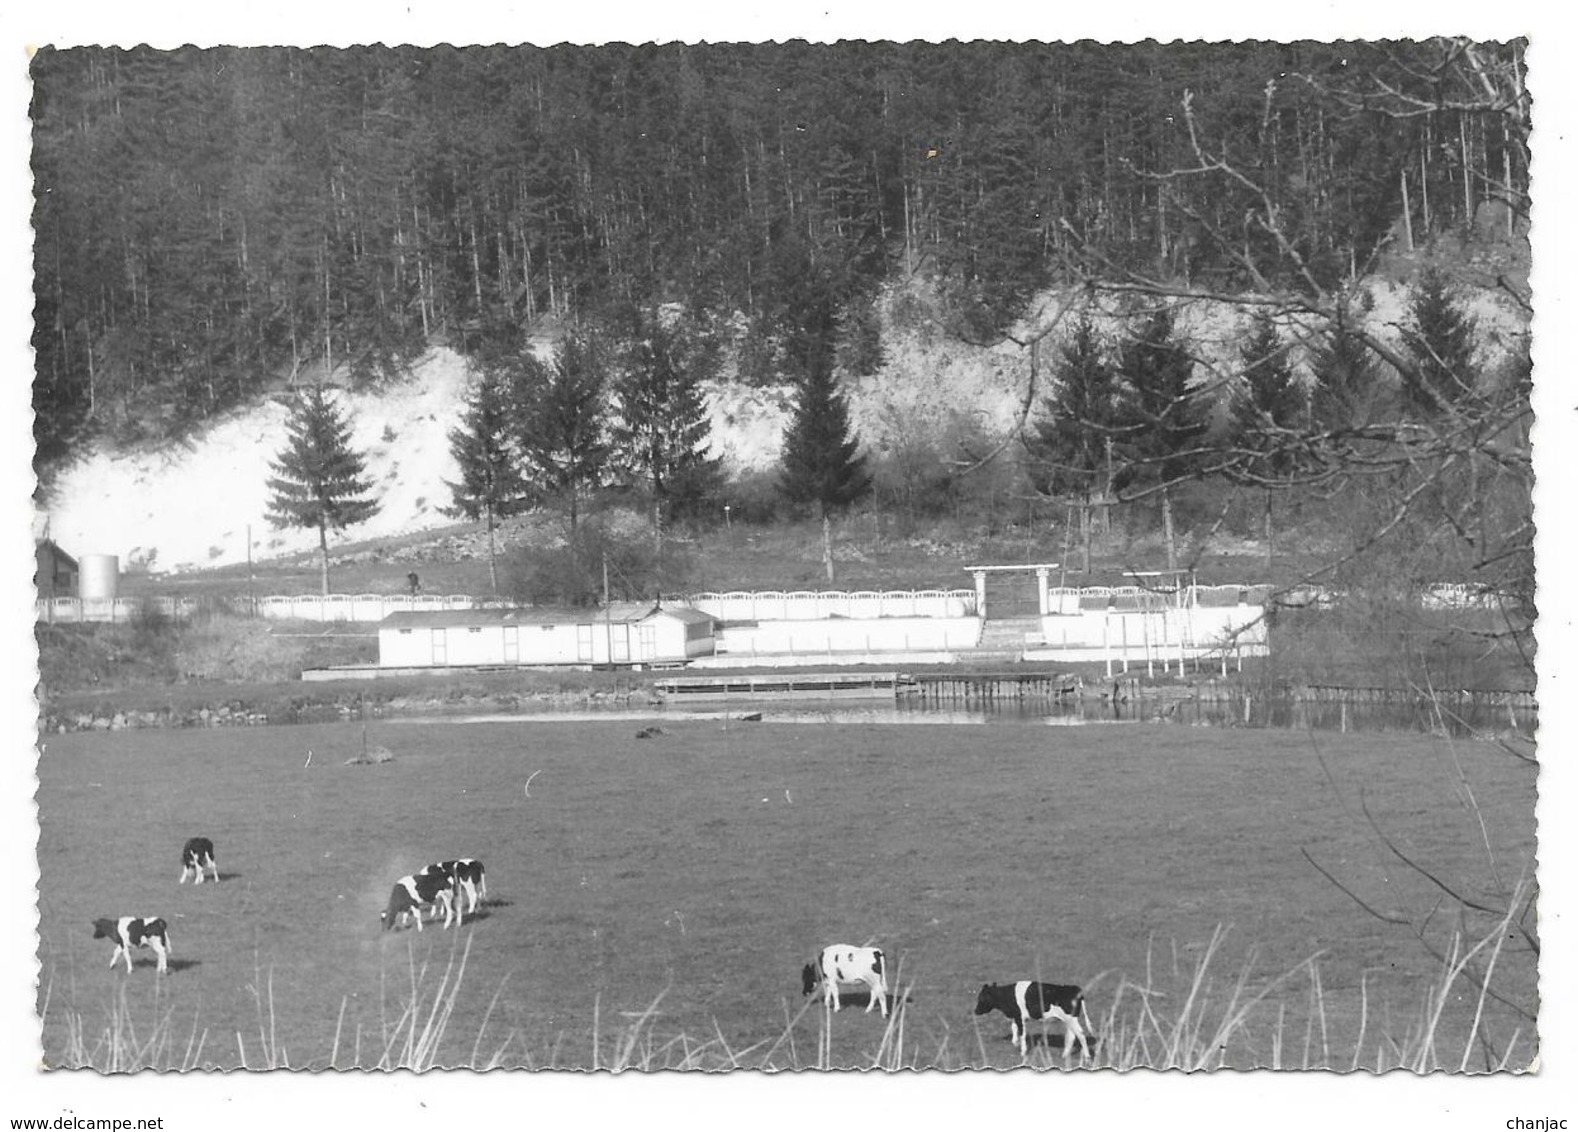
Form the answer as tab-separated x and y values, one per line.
1344	371
490	484
822	463
1267	412
560	422
661	430
1068	446
1158	424
1440	337
318	481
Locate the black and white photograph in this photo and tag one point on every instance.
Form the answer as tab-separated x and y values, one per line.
813	550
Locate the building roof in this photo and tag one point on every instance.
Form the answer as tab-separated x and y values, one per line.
50	545
438	618
683	613
627	612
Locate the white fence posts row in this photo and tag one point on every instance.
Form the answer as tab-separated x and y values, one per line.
299	607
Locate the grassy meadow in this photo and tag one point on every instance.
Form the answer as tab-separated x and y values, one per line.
652	900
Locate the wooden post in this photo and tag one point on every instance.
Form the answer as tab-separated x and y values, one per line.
252	601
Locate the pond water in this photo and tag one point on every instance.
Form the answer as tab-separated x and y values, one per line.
1248	711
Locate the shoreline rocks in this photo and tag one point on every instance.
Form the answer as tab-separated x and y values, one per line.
288	709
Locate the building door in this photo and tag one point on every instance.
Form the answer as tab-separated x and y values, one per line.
648	642
583	642
512	644
440	646
620	643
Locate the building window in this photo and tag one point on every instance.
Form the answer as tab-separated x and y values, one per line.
405	632
474	629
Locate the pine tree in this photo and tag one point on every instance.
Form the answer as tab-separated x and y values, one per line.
490	484
1344	371
822	463
1440	336
318	481
662	430
1267	411
1068	446
560	422
1271	403
1158	422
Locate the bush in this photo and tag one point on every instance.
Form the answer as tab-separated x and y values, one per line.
152	629
572	574
235	649
752	497
912	481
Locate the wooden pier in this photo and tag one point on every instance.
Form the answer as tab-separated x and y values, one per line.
989	687
788	685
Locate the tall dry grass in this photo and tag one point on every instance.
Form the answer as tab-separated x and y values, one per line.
1216	1014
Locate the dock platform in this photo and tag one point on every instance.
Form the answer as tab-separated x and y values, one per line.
789	685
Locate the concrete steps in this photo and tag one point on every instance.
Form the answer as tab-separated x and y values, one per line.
1007	636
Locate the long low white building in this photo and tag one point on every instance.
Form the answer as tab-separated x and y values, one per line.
622	634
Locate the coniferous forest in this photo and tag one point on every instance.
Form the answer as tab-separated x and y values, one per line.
211	223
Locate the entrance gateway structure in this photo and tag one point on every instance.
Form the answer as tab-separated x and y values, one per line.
1043	572
1170	586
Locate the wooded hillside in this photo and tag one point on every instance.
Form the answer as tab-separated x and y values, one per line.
210	222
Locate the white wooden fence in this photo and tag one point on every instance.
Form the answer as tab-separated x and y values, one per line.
74	610
297	607
366	607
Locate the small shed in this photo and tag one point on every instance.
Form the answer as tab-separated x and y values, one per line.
623	634
56	573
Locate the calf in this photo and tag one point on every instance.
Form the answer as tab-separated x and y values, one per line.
197	855
1026	1000
416	892
135	931
469	877
840	963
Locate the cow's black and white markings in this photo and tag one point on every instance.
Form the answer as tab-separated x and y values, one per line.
1027	1000
197	855
469	877
841	963
128	932
414	893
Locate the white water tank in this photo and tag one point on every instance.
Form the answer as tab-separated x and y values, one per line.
97	577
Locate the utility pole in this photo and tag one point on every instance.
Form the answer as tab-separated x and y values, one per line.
608	615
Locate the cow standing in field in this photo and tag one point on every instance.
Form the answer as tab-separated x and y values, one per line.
1026	1000
197	855
417	892
469	877
128	932
840	963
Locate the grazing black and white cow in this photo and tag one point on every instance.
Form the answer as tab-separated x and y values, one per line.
415	893
1026	1000
197	855
135	931
469	878
840	963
